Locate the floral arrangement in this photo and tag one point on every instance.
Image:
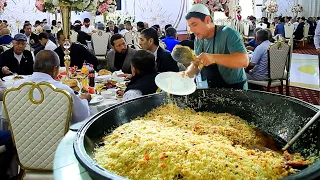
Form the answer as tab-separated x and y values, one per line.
297	8
215	5
3	4
237	9
106	6
120	18
270	6
76	5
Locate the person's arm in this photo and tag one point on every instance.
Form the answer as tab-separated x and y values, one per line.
237	58
255	58
131	94
317	38
2	89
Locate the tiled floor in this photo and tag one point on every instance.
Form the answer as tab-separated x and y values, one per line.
305	71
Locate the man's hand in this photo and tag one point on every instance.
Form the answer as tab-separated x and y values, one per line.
318	50
206	59
126	76
5	70
85	96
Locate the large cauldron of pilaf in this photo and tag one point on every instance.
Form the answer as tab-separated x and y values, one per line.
275	118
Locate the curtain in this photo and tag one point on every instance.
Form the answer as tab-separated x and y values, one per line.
311	8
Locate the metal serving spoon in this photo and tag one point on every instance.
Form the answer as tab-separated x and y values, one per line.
302	130
184	55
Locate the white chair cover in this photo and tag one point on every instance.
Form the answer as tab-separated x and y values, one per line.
73	36
288	30
306	30
246	27
37	124
132	39
262	25
100	41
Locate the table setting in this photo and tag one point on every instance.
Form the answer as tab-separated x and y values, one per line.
107	85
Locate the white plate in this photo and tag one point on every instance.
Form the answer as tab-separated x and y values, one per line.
174	83
10	78
103	78
95	99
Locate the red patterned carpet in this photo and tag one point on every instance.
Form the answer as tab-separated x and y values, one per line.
309	50
308	95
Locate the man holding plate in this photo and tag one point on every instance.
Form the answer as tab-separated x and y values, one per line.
219	48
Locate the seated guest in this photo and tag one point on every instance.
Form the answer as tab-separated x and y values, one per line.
82	36
140	26
101	27
119	58
143	67
112	28
32	39
266	21
86	26
280	28
17	59
313	24
46	42
298	33
47	30
258	67
295	23
149	40
5	36
78	53
270	36
252	25
129	26
122	29
171	38
46	69
252	44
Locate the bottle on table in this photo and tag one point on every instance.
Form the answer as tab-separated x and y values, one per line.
91	76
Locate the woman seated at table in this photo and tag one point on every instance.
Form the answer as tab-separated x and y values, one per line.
143	67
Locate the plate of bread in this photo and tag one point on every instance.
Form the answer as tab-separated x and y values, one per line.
73	84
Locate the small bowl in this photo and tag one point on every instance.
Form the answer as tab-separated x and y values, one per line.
106	94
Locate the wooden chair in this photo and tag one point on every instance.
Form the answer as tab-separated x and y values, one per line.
278	54
38	116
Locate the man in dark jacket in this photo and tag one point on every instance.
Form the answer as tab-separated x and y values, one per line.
82	36
112	28
78	53
17	59
32	39
149	40
298	34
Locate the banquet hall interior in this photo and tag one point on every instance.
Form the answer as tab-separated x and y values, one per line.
66	64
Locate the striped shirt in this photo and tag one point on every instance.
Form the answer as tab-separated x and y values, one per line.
260	59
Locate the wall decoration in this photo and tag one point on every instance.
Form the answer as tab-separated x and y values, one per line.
215	5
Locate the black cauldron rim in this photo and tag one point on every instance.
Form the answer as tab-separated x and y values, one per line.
313	171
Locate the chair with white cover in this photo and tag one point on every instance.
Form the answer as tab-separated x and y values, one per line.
288	31
246	29
286	76
73	36
278	54
304	40
132	39
38	116
100	42
261	25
